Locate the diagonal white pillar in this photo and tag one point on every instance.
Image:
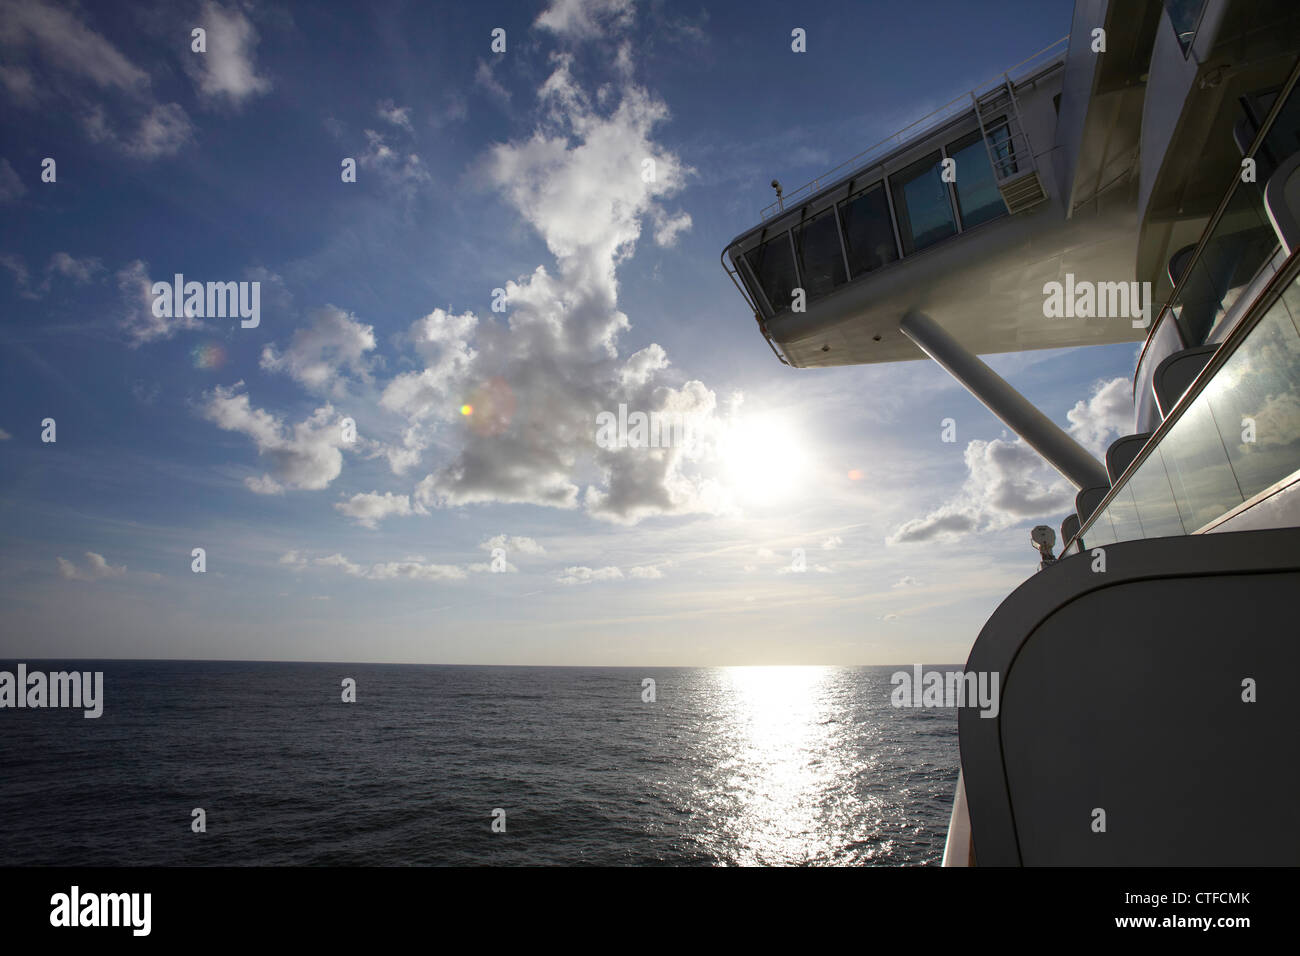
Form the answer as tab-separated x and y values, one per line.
1039	432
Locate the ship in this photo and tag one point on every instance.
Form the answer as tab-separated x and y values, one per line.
1136	181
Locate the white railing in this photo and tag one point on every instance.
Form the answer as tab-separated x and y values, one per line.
949	111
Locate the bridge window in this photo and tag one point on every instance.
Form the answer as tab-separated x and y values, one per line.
773	265
921	202
868	234
817	249
978	198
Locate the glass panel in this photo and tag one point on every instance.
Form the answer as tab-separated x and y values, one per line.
817	247
1258	389
773	264
978	198
1155	499
1124	515
1203	482
921	204
868	233
1164	342
1100	533
1184	15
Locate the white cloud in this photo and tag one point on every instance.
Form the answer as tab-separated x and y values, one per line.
302	456
368	509
645	572
1008	482
11	186
585	18
319	353
227	73
97	568
584	575
139	322
4	435
485	76
66	43
79	270
831	543
1104	416
410	570
392	113
513	545
906	581
86	75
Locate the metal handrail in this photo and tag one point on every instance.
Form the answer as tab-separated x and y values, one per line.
1265	127
893	139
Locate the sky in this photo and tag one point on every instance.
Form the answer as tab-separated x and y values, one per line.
472	515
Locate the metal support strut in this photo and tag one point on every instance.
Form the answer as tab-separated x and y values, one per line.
1042	434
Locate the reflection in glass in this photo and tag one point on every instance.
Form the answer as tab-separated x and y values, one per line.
921	204
773	264
1255	399
978	198
1155	498
868	234
1198	468
817	248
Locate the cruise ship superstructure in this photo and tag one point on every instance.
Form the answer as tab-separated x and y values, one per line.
1138	180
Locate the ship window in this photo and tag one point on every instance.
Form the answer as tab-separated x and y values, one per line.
921	202
978	198
817	248
868	234
773	264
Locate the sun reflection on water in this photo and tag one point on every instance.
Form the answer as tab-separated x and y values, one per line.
788	752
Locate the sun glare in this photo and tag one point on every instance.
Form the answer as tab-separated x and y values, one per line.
764	459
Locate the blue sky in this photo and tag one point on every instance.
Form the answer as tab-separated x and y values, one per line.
476	171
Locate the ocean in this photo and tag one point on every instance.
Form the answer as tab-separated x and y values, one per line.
464	766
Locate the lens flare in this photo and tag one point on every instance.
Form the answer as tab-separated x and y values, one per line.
490	408
210	355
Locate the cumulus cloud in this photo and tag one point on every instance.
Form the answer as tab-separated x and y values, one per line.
1008	482
831	543
1104	416
320	353
227	72
97	568
585	18
139	321
906	581
302	456
368	509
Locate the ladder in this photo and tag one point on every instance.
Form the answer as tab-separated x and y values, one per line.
1010	153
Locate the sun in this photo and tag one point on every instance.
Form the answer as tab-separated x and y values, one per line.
764	458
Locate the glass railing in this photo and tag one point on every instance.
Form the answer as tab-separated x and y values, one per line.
1185	15
1239	436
